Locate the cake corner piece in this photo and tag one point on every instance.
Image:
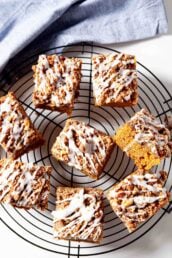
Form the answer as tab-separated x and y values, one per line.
79	214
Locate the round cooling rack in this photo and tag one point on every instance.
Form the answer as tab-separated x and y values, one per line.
35	226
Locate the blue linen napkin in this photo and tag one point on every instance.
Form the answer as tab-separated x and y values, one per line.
63	22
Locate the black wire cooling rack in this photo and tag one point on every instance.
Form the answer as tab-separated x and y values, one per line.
36	227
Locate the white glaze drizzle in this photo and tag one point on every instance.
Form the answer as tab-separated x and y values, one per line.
91	141
19	185
110	80
150	191
13	124
147	132
77	212
61	75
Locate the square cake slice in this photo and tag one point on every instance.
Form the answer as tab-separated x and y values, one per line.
17	133
138	197
114	80
57	80
83	147
24	185
144	139
79	214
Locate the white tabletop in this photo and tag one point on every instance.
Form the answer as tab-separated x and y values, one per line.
156	54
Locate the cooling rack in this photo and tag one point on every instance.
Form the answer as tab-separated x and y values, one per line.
35	226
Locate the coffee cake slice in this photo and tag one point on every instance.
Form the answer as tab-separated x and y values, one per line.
138	197
17	133
79	214
57	79
144	139
83	147
24	185
114	80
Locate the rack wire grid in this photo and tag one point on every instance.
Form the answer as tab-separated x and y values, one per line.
35	226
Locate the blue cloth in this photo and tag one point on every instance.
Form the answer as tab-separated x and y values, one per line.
61	22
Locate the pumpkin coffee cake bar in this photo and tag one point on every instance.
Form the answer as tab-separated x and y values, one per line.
24	185
144	139
79	214
83	147
17	133
138	197
57	80
114	80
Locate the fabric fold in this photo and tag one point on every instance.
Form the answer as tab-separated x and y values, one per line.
53	23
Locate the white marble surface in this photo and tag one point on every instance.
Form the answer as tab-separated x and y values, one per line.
156	54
